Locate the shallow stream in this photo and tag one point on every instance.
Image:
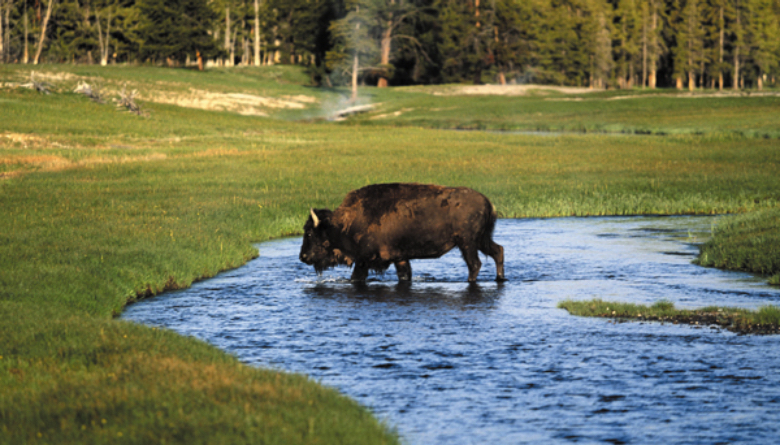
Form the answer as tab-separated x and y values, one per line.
446	362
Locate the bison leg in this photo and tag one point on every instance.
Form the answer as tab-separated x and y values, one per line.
496	252
404	270
471	256
360	272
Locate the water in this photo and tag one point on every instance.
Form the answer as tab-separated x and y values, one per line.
450	363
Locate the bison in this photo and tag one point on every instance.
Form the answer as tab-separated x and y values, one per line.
383	224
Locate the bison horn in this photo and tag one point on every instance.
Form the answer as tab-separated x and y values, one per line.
314	218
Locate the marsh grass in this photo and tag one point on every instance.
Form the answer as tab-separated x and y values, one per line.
749	242
765	320
100	208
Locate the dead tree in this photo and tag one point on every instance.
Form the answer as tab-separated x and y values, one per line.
127	100
91	91
41	87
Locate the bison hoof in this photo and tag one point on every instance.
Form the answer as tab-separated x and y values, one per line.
501	278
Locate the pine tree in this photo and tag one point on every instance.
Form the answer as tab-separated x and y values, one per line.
689	48
598	32
627	32
764	37
717	16
352	43
175	30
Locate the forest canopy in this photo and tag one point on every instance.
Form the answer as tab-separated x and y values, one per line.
597	43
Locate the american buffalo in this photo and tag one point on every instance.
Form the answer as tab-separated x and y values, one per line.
383	224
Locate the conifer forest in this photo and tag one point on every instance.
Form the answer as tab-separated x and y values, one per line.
686	44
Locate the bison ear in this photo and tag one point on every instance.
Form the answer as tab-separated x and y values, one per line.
314	218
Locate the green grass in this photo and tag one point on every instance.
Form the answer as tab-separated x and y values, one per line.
101	207
661	112
748	242
766	319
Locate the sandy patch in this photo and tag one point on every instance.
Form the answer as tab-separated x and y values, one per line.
56	77
506	90
241	103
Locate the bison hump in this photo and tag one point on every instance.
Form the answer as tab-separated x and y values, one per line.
374	201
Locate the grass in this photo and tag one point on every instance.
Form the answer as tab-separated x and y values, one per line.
615	111
765	320
748	242
102	207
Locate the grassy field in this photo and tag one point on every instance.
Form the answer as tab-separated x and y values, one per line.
101	207
616	111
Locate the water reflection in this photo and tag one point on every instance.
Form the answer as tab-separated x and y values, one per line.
452	363
405	293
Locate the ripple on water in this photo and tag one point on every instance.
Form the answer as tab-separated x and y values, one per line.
449	362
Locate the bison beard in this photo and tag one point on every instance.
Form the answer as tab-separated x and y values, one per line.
385	224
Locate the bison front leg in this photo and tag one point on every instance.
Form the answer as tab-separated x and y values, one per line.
471	256
360	272
404	270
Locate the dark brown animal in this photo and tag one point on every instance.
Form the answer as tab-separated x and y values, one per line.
385	224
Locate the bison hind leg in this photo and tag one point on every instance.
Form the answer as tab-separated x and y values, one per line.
404	270
496	251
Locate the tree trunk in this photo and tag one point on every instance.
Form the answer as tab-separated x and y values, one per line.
257	60
228	46
722	25
644	52
232	60
760	82
104	43
2	38
43	33
355	66
691	81
200	60
387	38
679	83
385	46
654	46
26	53
736	50
501	78
5	31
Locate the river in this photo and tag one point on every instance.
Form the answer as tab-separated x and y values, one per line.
446	362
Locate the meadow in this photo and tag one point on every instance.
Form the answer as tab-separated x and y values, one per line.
101	207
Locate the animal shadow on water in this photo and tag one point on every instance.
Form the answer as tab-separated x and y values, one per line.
405	293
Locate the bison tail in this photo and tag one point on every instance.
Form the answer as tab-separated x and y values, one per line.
490	224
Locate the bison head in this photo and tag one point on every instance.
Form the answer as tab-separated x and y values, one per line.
319	247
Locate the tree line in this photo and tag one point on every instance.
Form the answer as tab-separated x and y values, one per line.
596	43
